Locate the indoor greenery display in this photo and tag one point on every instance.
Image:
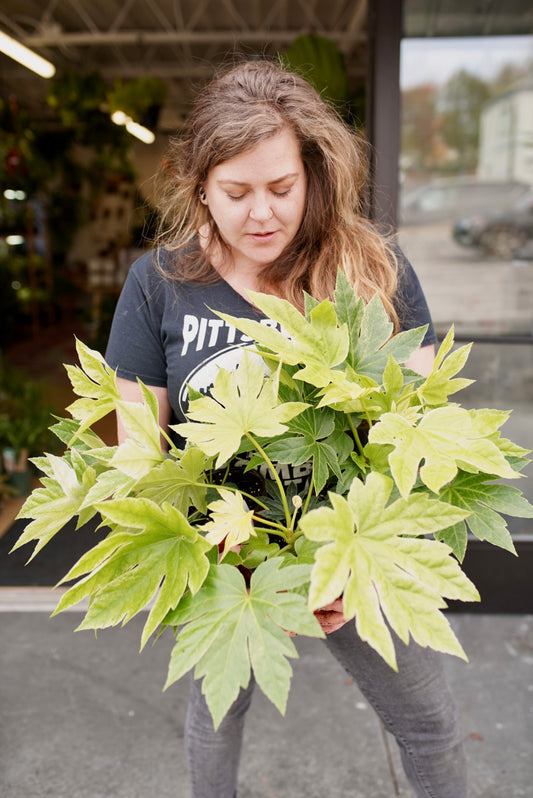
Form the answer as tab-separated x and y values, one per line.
398	474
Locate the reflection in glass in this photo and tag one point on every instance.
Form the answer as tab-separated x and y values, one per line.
466	176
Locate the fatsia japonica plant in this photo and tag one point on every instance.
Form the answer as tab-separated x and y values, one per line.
398	474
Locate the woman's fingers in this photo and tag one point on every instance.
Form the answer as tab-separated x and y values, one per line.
331	617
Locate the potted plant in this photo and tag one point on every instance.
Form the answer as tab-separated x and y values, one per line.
398	473
7	491
24	420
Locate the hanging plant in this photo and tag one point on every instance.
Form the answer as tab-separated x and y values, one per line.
141	99
398	475
77	96
320	61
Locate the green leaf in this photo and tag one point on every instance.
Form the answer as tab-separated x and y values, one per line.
241	402
230	630
370	352
317	341
446	438
395	396
312	445
303	449
96	383
347	391
350	309
257	549
141	451
439	385
179	482
370	559
59	499
109	484
456	537
154	554
68	431
230	521
485	500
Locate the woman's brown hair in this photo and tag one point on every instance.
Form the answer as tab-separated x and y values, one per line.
233	113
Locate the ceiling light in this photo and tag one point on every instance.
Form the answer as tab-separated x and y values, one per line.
26	57
11	194
140	132
119	118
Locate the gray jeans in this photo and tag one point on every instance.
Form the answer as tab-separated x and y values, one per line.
414	704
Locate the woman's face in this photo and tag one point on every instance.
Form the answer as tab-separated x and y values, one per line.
257	200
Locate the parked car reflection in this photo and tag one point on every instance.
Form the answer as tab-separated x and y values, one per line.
503	233
447	199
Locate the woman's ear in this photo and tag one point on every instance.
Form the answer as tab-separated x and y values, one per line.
203	197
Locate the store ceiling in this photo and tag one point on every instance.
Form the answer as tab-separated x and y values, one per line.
178	41
181	41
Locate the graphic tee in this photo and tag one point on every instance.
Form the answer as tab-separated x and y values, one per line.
168	334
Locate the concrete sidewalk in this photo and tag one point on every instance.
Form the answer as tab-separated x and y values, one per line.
82	717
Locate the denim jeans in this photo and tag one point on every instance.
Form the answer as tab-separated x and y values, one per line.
415	705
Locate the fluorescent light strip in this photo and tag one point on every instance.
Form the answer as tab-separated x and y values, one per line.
140	132
26	57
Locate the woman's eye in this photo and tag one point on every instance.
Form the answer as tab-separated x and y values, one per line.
235	197
281	193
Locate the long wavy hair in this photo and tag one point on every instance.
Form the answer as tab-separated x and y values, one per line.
243	106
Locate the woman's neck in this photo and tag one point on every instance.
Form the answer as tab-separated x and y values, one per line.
241	276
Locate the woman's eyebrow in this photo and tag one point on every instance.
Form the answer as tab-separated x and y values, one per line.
244	183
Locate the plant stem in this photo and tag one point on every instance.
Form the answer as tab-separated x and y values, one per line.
290	543
355	434
169	440
259	521
308	497
275	476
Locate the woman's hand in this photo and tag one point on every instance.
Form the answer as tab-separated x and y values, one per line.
331	617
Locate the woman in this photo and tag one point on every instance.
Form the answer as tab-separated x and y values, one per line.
264	193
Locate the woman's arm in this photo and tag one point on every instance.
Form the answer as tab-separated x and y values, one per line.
422	360
131	392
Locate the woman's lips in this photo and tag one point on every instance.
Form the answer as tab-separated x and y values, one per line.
263	236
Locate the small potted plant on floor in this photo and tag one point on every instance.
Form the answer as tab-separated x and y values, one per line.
25	417
397	474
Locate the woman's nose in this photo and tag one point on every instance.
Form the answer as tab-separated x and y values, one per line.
261	210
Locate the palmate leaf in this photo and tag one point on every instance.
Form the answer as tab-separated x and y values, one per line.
319	342
61	498
314	442
241	402
347	391
141	451
373	349
439	383
181	482
229	629
396	395
230	521
109	484
67	430
445	439
152	554
370	559
95	383
485	500
371	343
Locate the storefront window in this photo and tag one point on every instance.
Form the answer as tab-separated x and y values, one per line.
466	209
466	177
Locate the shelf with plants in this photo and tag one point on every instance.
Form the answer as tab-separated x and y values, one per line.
398	475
